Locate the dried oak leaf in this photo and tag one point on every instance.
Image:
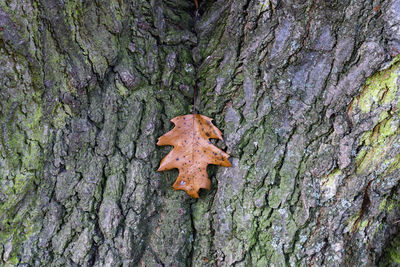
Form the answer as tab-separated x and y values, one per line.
192	152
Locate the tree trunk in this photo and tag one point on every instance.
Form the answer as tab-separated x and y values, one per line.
306	93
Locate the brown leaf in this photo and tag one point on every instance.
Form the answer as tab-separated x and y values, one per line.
192	152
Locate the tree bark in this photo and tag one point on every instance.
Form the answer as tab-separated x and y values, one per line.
306	93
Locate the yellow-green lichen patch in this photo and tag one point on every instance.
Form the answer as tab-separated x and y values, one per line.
393	163
387	204
383	115
389	128
122	90
263	6
391	253
376	144
60	113
380	89
382	205
379	96
23	138
32	160
395	255
354	223
390	206
363	224
330	183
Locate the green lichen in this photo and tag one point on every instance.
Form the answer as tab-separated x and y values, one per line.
379	95
263	6
15	224
352	220
394	163
390	206
379	100
60	114
383	115
395	255
330	183
122	90
363	224
32	160
332	177
381	88
382	205
354	223
376	144
391	255
21	149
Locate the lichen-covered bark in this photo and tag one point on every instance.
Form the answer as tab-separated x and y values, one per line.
306	92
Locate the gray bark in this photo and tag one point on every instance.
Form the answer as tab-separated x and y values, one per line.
306	93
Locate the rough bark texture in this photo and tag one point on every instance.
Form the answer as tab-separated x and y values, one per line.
306	93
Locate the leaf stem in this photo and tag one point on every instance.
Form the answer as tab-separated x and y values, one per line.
194	98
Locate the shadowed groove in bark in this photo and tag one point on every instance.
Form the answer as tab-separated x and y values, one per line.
306	93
